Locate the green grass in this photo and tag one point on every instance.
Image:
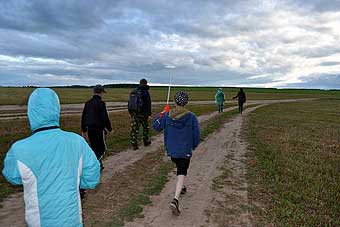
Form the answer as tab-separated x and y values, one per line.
80	95
295	170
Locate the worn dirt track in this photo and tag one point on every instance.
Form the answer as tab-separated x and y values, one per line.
12	211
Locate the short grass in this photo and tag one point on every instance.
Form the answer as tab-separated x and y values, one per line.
19	96
118	140
294	172
129	191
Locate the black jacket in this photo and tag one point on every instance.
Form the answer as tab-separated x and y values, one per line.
146	107
241	97
95	115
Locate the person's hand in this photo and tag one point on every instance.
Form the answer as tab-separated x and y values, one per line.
166	108
149	118
84	134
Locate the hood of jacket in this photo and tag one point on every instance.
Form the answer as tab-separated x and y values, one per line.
43	108
178	112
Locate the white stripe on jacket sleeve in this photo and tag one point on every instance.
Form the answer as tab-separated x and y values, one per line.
32	212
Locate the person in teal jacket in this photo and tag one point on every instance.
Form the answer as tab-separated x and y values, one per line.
220	99
52	165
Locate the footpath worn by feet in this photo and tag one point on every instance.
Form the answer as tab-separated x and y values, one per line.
200	198
13	210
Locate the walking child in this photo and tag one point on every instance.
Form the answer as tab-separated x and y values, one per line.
181	137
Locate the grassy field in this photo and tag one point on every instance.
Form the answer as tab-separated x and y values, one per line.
80	95
295	170
118	140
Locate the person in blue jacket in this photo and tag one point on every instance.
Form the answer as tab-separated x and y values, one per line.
52	165
181	137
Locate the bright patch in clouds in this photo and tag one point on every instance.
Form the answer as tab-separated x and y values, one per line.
266	43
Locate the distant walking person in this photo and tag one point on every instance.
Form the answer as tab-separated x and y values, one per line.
95	123
220	99
241	99
139	107
181	137
52	165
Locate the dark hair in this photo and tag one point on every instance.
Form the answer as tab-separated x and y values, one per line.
143	82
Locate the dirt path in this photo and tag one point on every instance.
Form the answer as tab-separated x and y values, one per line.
205	166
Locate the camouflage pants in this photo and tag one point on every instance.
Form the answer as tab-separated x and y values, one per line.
136	122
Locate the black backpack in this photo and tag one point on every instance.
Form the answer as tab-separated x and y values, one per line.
135	101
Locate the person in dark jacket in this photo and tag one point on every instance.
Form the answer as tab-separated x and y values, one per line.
95	122
142	117
241	99
181	137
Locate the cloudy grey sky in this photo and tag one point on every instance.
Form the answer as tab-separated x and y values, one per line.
264	43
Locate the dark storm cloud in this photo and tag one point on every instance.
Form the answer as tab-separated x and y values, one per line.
44	16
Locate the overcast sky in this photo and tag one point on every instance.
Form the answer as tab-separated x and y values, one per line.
263	43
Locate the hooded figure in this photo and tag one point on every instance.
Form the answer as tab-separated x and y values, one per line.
52	165
220	99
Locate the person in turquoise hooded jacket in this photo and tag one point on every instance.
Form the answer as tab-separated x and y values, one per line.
52	165
220	99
